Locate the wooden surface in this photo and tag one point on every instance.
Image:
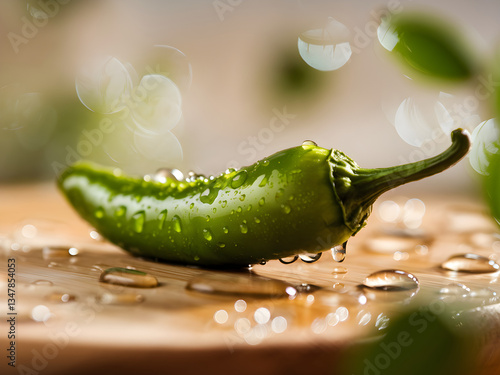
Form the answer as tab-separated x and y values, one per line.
174	329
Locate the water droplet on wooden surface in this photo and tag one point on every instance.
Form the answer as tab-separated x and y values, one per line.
42	283
339	270
240	284
95	235
119	299
455	289
50	252
61	297
391	280
460	292
391	243
469	262
128	277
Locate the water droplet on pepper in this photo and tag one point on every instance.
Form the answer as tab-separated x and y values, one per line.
99	213
121	211
309	143
138	221
239	179
286	208
176	224
207	234
162	217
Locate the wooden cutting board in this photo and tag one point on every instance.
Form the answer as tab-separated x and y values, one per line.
68	322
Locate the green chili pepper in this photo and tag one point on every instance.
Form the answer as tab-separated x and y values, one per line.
300	200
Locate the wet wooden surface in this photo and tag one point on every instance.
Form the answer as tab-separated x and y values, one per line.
70	322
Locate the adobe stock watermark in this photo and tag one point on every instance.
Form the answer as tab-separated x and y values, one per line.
59	339
418	322
30	28
95	137
363	37
252	145
84	147
222	7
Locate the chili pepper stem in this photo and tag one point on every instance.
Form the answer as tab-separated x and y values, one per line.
366	185
371	183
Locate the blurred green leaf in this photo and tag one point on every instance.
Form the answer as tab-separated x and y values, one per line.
38	133
492	186
427	45
293	77
287	80
421	341
496	86
491	151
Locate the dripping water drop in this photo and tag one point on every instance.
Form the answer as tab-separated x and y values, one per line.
310	258
289	260
338	252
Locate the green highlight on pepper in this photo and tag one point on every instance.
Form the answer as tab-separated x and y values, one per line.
286	204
